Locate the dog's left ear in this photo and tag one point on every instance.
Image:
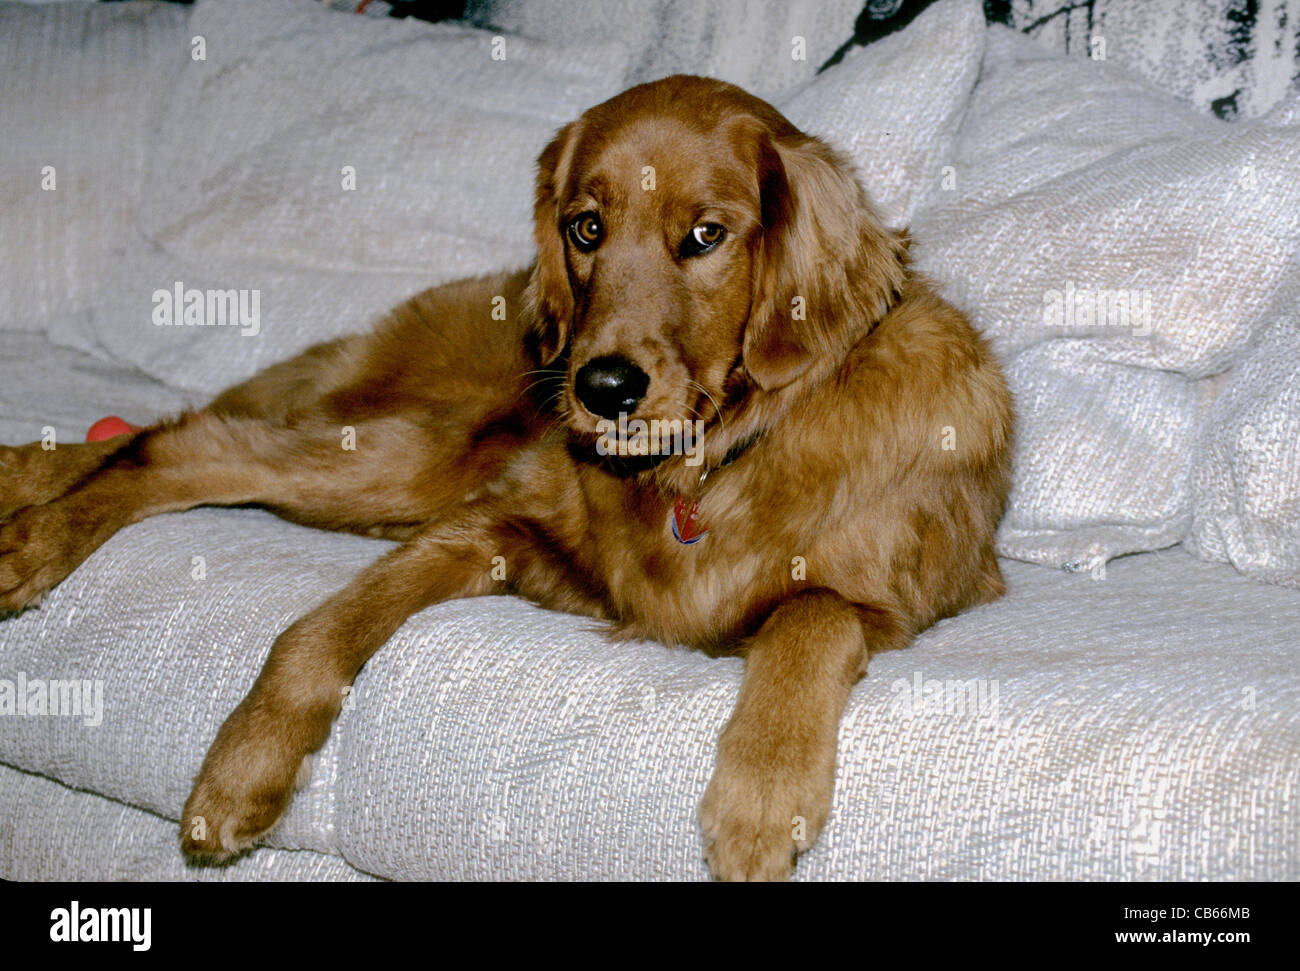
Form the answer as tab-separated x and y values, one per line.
828	269
548	295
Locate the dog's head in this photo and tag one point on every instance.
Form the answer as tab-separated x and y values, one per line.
696	252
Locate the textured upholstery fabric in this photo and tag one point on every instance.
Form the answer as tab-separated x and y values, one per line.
43	384
59	246
1246	476
1140	725
51	832
415	108
748	43
1227	57
1072	177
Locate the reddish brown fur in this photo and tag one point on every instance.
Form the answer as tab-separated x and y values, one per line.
468	448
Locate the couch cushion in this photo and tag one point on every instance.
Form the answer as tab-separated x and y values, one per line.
493	739
1119	249
510	745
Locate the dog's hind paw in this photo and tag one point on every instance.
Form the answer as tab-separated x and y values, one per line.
40	546
34	474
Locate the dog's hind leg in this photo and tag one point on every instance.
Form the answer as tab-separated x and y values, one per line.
383	477
41	472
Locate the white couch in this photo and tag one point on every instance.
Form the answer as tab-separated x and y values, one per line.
1133	716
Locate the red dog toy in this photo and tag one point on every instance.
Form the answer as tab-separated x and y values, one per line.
109	427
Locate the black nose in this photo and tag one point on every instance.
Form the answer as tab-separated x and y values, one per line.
610	386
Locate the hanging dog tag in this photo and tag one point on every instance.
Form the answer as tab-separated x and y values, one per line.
684	521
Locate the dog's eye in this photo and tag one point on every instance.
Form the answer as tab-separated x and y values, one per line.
586	231
702	239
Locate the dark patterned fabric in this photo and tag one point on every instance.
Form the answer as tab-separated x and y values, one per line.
1234	58
431	10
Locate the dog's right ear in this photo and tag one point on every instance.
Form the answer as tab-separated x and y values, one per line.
549	296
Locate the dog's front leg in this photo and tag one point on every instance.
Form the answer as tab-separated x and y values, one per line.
261	751
771	790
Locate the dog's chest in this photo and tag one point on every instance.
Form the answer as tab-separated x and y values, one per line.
678	570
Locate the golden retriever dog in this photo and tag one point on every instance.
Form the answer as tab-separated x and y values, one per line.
720	411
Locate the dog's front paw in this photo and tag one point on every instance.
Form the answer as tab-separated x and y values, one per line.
765	804
40	546
244	787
